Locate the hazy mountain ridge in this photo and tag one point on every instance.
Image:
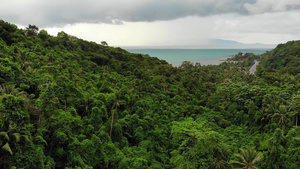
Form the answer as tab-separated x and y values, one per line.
210	44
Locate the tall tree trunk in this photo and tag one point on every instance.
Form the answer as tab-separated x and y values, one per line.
112	120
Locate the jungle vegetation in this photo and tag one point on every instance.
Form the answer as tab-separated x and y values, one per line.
70	103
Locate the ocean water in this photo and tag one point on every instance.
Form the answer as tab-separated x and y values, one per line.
202	56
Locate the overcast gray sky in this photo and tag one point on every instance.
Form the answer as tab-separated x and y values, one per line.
160	22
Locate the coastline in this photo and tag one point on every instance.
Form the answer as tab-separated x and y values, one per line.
213	61
175	57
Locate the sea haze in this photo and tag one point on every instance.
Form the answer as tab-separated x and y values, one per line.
202	56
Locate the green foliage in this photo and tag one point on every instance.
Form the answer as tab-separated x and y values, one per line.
248	158
7	148
196	144
221	157
32	30
69	103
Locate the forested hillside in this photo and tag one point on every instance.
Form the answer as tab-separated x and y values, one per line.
69	103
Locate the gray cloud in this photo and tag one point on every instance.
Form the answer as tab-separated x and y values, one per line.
49	13
264	6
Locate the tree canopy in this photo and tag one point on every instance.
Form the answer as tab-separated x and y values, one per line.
69	103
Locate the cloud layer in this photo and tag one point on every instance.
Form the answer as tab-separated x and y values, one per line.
160	22
49	13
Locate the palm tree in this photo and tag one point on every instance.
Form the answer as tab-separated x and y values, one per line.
5	145
8	143
247	158
276	110
271	104
221	154
117	103
88	102
295	106
11	89
23	57
7	140
34	110
282	116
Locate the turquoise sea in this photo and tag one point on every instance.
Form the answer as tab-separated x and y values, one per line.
203	56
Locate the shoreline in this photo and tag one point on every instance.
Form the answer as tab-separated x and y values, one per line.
213	61
175	57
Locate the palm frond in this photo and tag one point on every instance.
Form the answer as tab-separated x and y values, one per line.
17	137
237	164
22	93
247	157
5	135
259	157
7	148
25	138
243	155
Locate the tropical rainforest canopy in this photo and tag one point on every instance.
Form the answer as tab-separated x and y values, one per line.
69	103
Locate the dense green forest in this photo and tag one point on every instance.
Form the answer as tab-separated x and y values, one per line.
69	103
